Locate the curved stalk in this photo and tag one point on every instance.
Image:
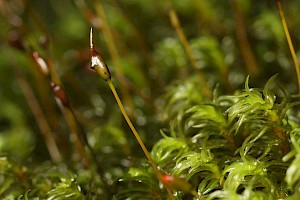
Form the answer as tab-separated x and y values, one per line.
98	64
288	37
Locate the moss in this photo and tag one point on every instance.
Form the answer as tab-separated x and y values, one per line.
196	79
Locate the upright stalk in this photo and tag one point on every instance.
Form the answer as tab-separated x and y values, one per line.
177	26
288	37
78	138
242	37
137	136
112	48
62	100
39	117
98	64
64	105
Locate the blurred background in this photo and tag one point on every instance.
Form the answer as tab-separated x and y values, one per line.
142	44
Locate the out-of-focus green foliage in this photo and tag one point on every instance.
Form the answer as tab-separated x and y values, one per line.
239	144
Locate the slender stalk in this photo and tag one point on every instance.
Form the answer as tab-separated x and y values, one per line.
62	100
43	88
78	137
112	48
98	64
68	114
288	37
40	117
177	26
246	50
137	136
64	105
155	77
48	71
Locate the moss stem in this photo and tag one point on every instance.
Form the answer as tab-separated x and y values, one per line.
243	40
137	136
288	37
177	26
113	51
39	116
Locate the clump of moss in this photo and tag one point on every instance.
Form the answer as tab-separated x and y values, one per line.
179	69
236	146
